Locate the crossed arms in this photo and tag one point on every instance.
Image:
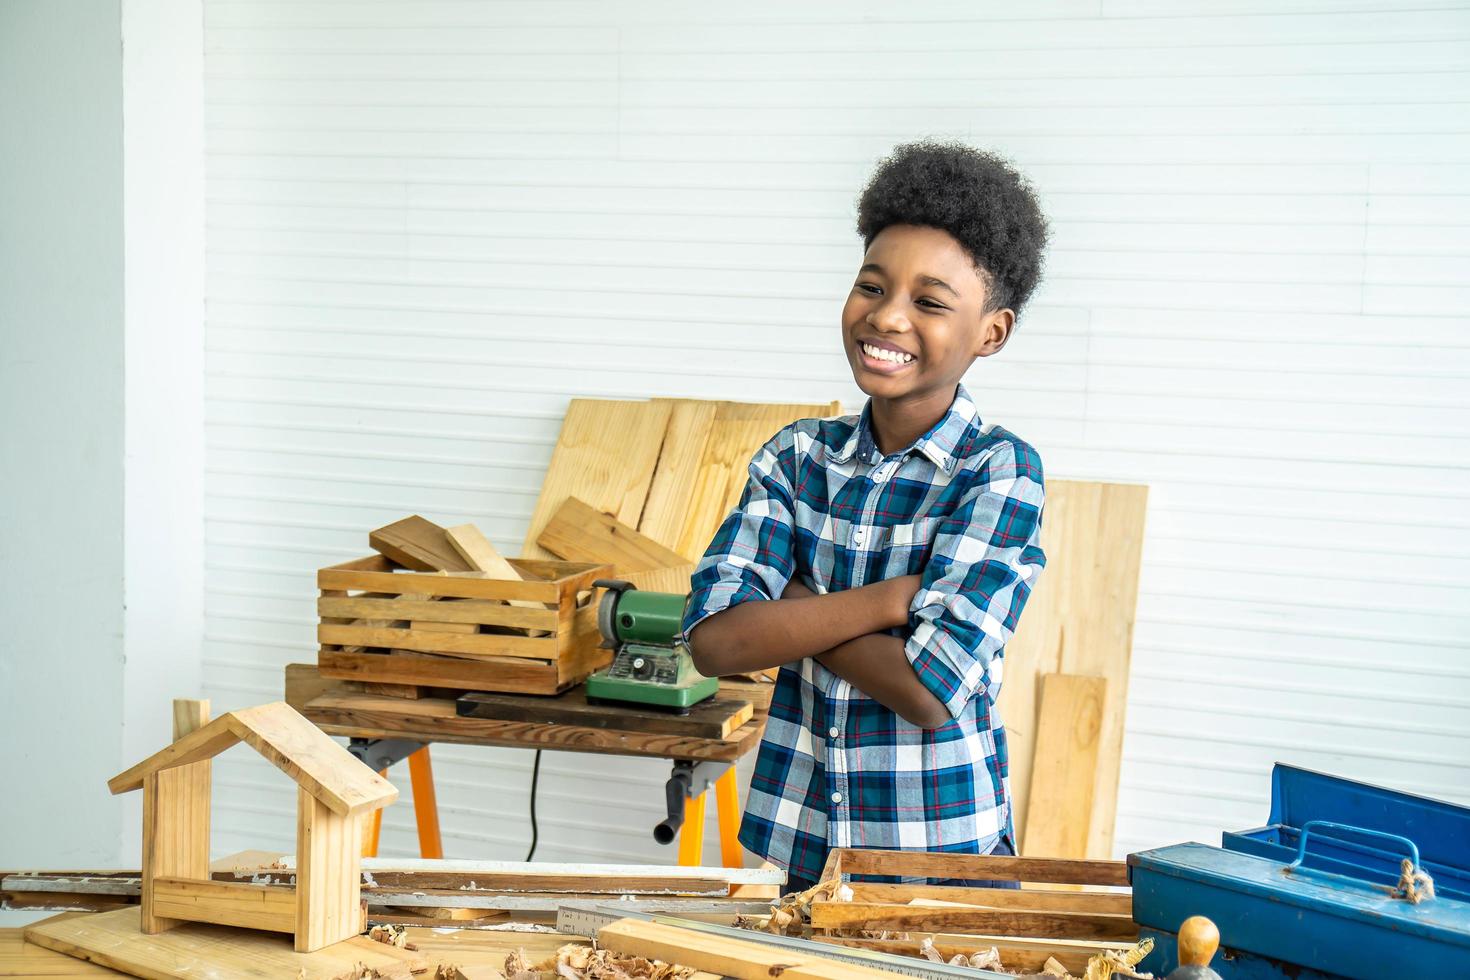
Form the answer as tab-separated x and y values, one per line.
842	630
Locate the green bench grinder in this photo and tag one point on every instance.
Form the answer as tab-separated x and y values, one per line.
651	663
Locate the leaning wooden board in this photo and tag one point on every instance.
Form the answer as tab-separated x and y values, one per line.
1079	620
193	951
1059	813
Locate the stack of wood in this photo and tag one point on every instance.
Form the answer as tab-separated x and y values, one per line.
1064	911
635	490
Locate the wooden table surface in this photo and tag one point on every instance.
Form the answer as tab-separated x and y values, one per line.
339	711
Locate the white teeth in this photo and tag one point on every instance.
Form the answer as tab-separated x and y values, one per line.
881	354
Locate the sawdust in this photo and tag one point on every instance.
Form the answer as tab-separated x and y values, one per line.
981	959
793	914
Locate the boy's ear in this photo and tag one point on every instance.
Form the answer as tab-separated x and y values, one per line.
995	329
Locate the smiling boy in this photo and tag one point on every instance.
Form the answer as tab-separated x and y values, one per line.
882	560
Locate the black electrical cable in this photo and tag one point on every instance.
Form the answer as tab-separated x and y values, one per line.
535	774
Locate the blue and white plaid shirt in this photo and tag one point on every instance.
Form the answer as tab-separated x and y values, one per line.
962	506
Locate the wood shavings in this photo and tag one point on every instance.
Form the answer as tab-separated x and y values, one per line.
1120	963
983	959
453	971
578	962
391	935
793	915
360	971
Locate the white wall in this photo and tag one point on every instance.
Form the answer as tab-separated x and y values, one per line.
101	327
431	224
61	430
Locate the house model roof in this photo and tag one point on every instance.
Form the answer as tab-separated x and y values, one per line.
294	745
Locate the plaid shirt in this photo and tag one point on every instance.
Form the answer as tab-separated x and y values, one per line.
962	506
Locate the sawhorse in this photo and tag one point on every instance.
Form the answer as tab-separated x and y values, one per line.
697	779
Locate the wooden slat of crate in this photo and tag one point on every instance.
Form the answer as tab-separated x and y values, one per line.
580	630
937	864
865	917
375	574
465	611
1109	902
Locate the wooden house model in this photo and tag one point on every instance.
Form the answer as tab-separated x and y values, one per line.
335	790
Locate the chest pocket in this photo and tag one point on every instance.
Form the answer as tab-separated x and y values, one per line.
905	548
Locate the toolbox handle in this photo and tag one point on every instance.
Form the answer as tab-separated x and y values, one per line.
1310	825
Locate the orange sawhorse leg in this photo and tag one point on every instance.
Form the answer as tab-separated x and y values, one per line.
425	810
727	802
425	806
691	834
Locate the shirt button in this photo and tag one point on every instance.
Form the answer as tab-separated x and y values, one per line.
833	732
857	536
836	797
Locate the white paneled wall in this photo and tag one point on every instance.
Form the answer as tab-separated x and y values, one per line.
430	224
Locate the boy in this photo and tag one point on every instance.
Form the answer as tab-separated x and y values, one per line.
882	561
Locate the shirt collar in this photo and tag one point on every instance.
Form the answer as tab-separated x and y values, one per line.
937	445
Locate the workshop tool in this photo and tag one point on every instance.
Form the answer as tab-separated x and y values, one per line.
651	664
1198	940
1336	886
586	918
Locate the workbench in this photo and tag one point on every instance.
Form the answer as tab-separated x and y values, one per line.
686	741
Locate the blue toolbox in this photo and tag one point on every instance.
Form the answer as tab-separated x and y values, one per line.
1336	885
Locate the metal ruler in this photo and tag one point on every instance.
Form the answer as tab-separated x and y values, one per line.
586	918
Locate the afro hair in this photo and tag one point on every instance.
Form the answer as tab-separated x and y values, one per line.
978	198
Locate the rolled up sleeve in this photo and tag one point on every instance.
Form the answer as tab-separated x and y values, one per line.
751	556
987	557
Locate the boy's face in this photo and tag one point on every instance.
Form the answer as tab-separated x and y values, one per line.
918	299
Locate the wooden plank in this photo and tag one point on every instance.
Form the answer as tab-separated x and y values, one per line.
472	646
19	958
435	720
419	544
432	875
741	959
175	819
605	455
1114	903
715	718
1079	620
579	532
737	432
1063	775
420	626
994	867
679	460
268	907
206	952
480	554
328	894
835	916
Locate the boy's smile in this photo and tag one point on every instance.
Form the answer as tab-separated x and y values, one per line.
914	323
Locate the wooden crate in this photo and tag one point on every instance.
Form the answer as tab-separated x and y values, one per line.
367	605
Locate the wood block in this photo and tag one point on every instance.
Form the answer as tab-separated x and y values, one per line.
268	907
411	691
419	544
196	951
1059	814
175	819
1079	620
606	454
579	532
480	554
329	906
1112	903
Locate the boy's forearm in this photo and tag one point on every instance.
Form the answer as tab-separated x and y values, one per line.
757	635
877	665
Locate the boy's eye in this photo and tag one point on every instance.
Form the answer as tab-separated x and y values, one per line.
869	287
